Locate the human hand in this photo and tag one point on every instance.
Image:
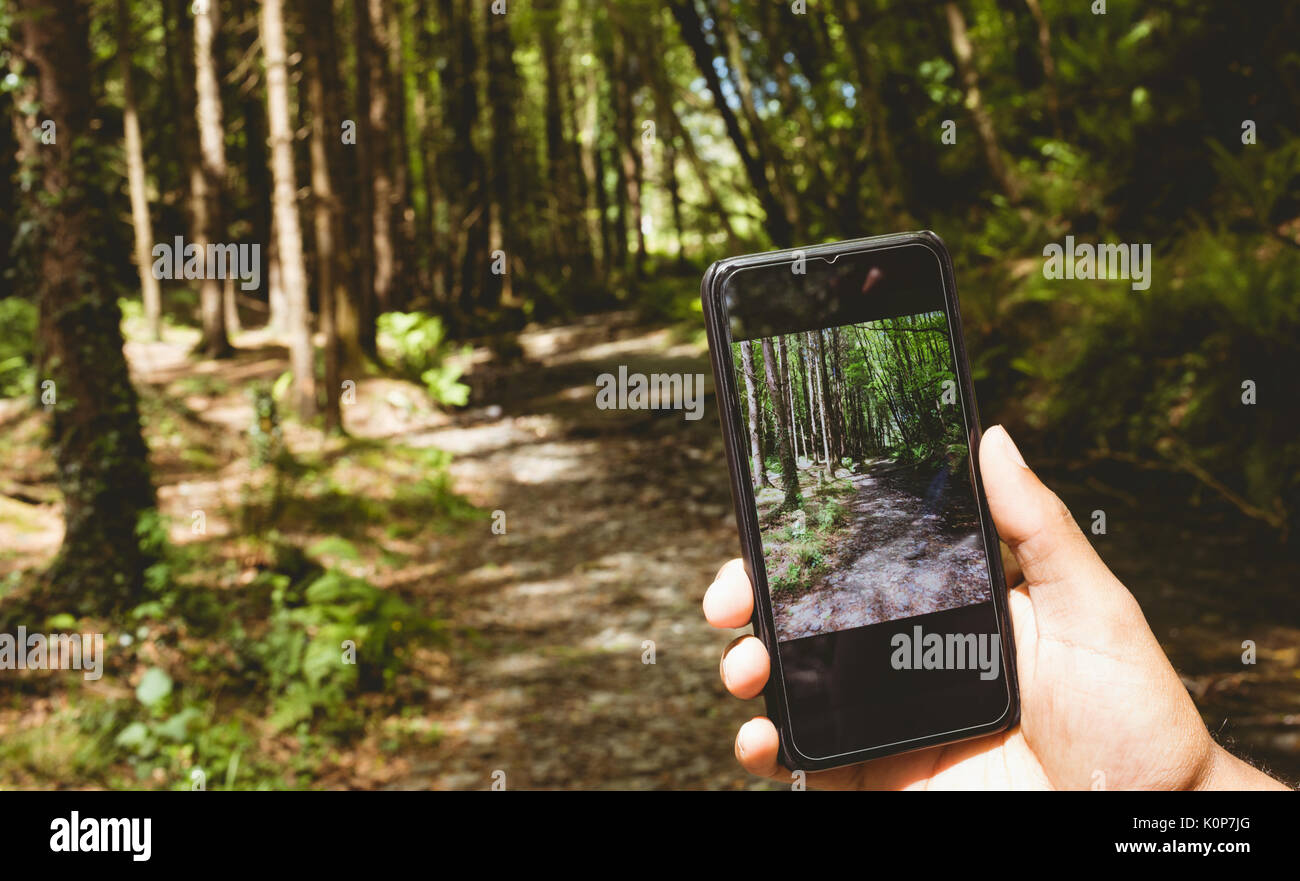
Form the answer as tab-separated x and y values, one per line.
1101	706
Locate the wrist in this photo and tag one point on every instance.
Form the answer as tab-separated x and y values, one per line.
1224	771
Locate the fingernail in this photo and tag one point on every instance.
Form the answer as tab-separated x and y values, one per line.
1012	450
740	742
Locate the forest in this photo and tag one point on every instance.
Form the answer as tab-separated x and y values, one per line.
335	488
859	462
835	397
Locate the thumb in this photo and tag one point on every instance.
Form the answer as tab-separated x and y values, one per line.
1065	577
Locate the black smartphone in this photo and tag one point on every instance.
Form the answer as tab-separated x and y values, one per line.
852	439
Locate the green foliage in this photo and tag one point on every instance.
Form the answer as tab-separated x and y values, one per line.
414	344
1160	373
18	320
832	514
325	642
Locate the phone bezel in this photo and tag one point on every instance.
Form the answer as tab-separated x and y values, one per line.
719	335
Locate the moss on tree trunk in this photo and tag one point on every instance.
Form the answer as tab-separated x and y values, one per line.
95	433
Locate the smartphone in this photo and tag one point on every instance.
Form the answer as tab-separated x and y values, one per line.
852	438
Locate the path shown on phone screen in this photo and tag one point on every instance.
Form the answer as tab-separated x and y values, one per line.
911	546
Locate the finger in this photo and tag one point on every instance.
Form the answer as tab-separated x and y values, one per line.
1010	565
1048	545
758	751
729	601
745	667
757	747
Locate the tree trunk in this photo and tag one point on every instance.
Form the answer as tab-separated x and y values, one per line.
210	226
819	374
381	153
765	152
95	439
467	258
778	224
831	414
363	183
503	89
592	169
965	54
755	426
288	232
623	77
140	221
789	470
257	172
1049	64
401	215
801	342
678	134
322	96
788	392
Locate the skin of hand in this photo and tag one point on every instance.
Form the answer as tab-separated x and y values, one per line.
1101	706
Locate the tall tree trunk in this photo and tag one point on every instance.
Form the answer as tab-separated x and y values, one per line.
257	169
502	94
467	216
829	403
588	138
801	342
789	470
322	95
885	171
779	225
984	129
401	214
210	225
622	75
95	438
755	425
288	230
381	153
140	221
765	152
1049	64
819	375
678	133
428	121
788	392
179	34
363	183
563	204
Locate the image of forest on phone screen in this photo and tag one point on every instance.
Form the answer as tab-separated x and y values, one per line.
858	453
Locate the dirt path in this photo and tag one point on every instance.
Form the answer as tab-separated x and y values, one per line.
616	522
896	560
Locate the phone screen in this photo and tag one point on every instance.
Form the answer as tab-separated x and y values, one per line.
851	407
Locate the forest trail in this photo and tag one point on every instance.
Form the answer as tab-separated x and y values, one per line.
551	688
547	626
894	560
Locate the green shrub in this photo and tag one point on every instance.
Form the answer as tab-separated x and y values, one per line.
415	345
1160	374
340	636
832	514
18	319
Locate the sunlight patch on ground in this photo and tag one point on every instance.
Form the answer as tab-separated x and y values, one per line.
554	461
488	437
